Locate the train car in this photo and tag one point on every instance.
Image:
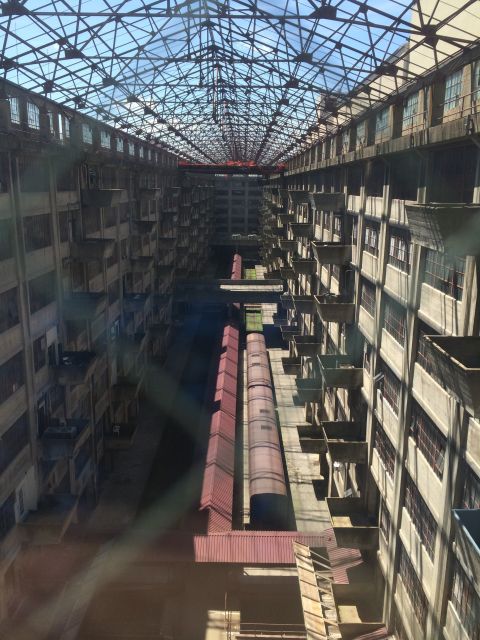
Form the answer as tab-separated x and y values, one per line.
268	490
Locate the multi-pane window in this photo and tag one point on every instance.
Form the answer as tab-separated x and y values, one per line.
381	121
476	81
445	273
410	110
37	232
453	90
354	233
395	321
370	243
326	220
421	516
338	225
399	249
385	449
131	149
466	602
13	441
105	139
362	133
66	122
119	145
33	116
140	152
367	356
41	291
385	521
367	297
424	355
391	388
471	490
14	110
413	587
87	133
429	439
8	309
12	376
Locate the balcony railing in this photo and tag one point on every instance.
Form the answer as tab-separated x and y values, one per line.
339	372
344	442
301	304
328	201
309	389
288	245
332	253
291	365
332	309
353	526
311	439
302	230
307	346
298	197
304	267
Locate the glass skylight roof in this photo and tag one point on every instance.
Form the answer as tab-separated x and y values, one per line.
218	81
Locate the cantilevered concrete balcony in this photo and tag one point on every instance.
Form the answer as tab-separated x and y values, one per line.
332	309
303	266
339	372
75	367
288	245
358	604
289	332
301	230
284	217
143	226
103	197
344	442
84	305
140	264
50	521
457	362
353	526
467	541
332	252
299	197
134	302
62	440
307	346
287	273
450	227
309	389
121	436
292	365
311	439
328	201
92	249
277	252
301	304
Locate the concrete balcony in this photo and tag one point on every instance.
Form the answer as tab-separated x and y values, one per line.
285	218
451	227
332	253
92	249
353	526
140	264
62	440
309	389
339	372
292	365
75	367
307	346
311	439
277	252
302	230
135	302
302	304
289	332
84	305
304	267
50	521
330	309
287	273
143	226
288	245
359	604
103	197
457	361
299	197
328	201
467	541
121	436
344	443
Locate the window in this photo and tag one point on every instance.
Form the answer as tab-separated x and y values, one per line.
37	232
362	132
367	356
385	521
33	116
471	491
7	516
371	238
87	133
39	353
131	149
399	249
11	376
421	516
120	145
413	587
381	121
395	321
8	309
13	441
466	602
385	449
354	235
338	225
367	297
424	356
453	90
391	387
476	81
67	127
41	291
429	439
445	273
140	152
14	110
6	244
105	139
326	220
410	110
51	123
